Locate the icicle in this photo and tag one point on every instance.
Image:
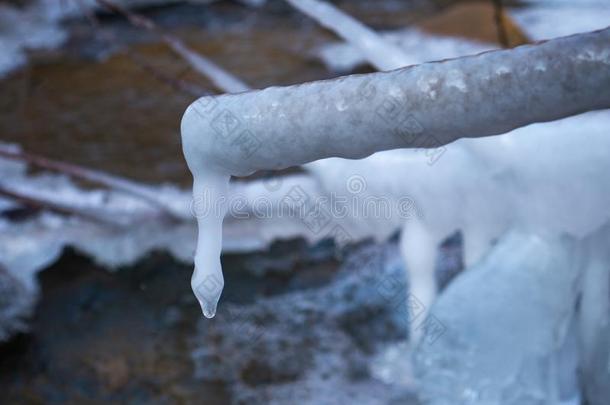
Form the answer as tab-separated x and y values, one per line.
594	319
209	189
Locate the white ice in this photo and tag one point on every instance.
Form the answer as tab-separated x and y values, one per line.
508	328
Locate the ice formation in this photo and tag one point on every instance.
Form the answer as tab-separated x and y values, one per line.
482	225
575	206
519	347
539	336
208	280
594	318
129	224
280	127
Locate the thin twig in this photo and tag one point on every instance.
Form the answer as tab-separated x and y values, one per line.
113	182
220	77
175	83
40	203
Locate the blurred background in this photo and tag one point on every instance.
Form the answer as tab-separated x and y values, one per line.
91	313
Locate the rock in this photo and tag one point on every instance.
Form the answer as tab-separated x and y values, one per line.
307	347
316	345
113	371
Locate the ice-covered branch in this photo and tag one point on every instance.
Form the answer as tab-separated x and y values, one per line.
381	53
420	106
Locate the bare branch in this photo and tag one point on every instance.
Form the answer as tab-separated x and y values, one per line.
427	105
40	203
135	189
220	77
176	83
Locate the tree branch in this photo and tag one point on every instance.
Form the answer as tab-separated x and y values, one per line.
175	83
40	203
420	106
138	190
220	77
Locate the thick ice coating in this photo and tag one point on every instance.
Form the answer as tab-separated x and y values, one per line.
420	106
